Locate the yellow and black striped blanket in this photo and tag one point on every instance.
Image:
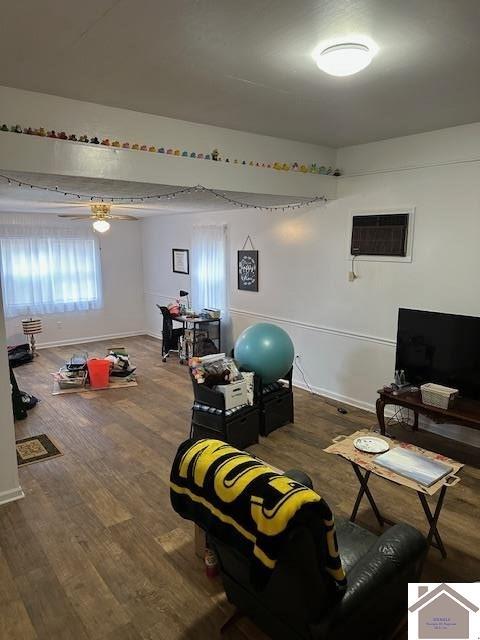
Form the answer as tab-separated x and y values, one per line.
243	502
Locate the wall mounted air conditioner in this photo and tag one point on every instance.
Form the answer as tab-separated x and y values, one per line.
380	235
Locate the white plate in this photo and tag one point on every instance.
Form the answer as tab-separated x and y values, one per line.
371	444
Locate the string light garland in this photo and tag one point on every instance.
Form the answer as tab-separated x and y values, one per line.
165	196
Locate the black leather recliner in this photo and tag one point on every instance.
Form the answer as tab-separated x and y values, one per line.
296	603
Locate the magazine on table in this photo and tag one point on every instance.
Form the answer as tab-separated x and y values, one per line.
410	464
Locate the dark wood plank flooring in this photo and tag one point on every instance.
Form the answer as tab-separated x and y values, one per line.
94	551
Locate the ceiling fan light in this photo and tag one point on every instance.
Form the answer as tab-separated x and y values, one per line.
101	226
343	59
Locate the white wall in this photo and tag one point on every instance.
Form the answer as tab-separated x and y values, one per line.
123	311
9	483
123	305
345	332
22	153
34	109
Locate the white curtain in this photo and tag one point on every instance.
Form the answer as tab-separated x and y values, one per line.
209	268
49	269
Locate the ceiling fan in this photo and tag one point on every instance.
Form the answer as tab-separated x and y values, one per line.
100	214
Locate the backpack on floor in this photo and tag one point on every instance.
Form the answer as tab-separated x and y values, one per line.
28	400
20	354
19	409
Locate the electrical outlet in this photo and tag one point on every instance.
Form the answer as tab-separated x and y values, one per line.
59	324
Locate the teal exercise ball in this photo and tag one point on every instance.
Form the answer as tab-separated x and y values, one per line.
265	349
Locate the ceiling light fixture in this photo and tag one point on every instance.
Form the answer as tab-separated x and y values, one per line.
101	226
343	59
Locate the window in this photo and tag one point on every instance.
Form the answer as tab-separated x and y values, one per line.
49	270
209	268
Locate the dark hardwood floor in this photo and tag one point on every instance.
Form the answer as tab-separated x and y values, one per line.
94	551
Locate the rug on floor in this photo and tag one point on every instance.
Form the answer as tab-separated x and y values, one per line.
36	449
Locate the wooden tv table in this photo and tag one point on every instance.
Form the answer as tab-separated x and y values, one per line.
344	447
464	411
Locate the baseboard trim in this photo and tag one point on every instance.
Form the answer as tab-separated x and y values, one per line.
318	391
11	495
107	336
338	397
153	334
341	333
353	402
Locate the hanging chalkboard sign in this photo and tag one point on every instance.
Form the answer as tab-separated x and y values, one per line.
248	270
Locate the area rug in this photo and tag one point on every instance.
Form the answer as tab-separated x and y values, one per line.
114	384
36	449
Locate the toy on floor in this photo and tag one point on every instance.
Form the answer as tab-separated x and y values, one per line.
121	366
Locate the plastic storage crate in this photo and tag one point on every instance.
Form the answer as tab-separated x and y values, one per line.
70	379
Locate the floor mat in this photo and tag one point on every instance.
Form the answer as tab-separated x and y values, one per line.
36	449
120	383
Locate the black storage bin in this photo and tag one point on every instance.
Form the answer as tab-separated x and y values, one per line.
277	411
276	407
240	430
216	420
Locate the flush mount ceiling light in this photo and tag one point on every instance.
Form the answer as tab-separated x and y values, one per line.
101	226
343	59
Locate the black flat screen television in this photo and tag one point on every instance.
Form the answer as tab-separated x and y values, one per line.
441	348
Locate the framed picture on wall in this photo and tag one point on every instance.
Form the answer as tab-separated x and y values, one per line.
180	261
247	270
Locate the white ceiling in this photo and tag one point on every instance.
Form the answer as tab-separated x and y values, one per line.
14	199
245	64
